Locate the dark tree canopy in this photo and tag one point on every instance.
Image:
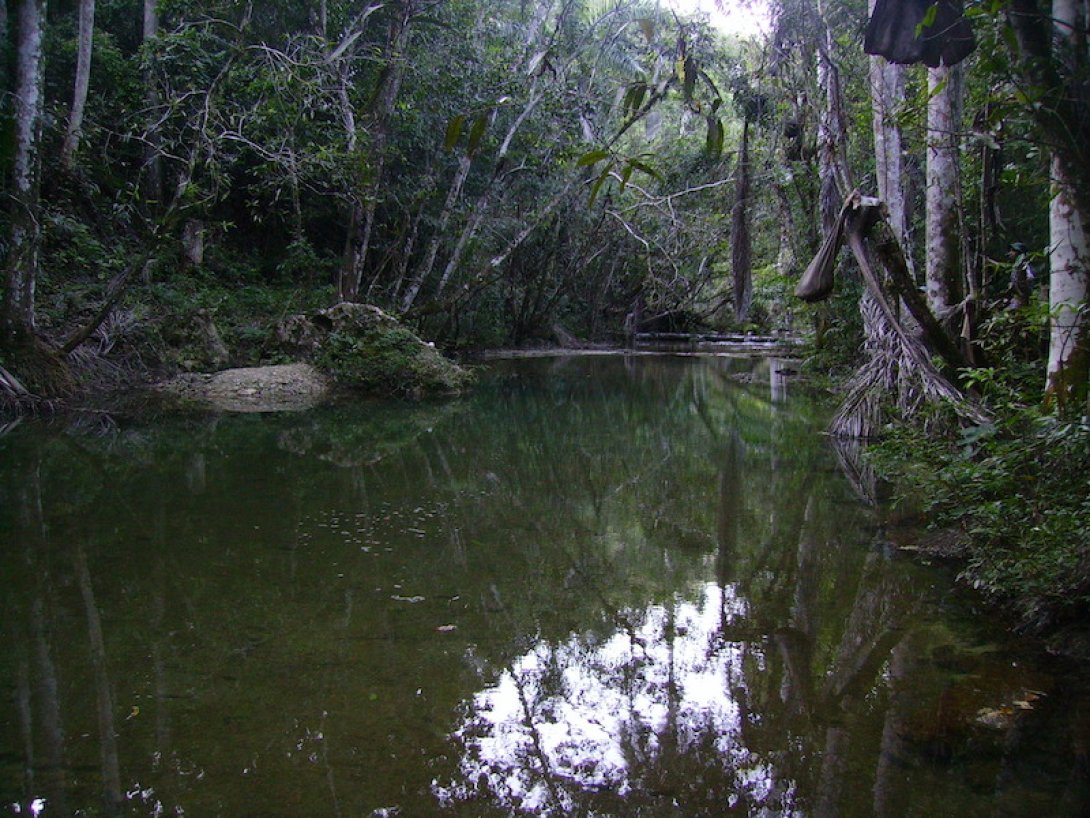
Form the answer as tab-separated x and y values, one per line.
919	31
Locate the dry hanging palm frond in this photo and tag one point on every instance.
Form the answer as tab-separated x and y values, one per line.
898	364
817	282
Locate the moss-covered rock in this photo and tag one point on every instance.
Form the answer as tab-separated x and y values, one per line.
364	348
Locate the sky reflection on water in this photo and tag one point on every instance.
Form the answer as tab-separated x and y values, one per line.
574	717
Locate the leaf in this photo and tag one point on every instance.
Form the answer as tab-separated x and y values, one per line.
591	158
597	186
633	99
938	89
714	143
689	77
928	19
626	174
454	131
480	124
643	167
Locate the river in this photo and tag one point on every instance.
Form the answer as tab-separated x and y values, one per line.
597	586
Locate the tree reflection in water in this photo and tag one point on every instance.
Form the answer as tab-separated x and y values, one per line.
593	723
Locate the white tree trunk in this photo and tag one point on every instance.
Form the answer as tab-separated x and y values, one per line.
21	274
887	86
1069	331
943	250
83	78
426	266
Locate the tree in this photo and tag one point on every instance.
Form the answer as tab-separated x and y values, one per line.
153	170
1049	58
1069	335
83	78
943	198
17	317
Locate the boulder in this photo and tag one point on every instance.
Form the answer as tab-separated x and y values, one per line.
362	347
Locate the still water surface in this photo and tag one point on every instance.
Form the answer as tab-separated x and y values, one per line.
597	586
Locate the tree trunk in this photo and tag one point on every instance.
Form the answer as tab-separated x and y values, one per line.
787	261
83	78
153	175
887	85
943	257
1069	332
385	99
426	266
833	173
24	243
741	243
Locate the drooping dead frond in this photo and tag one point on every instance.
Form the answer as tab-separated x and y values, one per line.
899	376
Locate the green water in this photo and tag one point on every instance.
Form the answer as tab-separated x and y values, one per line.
597	586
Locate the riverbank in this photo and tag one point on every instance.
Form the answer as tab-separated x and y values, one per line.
1008	505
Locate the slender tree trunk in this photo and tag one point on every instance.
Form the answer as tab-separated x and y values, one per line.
426	266
83	78
741	242
887	84
24	243
1068	370
833	173
385	100
153	168
943	257
787	260
484	201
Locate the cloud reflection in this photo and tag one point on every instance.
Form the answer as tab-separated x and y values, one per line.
568	723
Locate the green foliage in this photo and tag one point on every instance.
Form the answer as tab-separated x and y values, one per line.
389	360
1016	493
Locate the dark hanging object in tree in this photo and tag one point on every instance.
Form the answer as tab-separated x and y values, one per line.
817	282
914	31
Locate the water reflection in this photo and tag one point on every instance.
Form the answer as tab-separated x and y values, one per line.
598	587
605	718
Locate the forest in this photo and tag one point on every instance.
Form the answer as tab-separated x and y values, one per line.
909	196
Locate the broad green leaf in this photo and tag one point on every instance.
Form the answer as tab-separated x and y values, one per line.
689	77
454	131
480	124
597	186
928	19
643	167
626	174
1011	39
714	144
634	98
591	158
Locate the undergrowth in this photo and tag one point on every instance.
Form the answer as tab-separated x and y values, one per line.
1014	490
